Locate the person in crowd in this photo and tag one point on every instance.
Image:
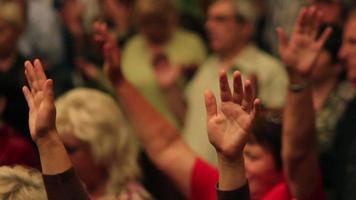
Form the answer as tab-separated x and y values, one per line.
193	176
160	39
43	35
230	28
334	9
98	144
19	182
342	165
11	61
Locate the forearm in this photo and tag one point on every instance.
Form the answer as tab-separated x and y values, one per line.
299	144
153	130
231	173
54	158
299	136
176	102
161	140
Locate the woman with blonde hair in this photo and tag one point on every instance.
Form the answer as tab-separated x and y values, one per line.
94	133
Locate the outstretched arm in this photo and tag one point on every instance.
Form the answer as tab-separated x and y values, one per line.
229	128
161	140
299	54
42	117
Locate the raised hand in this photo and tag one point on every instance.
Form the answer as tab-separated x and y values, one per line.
111	51
167	75
300	51
40	99
229	126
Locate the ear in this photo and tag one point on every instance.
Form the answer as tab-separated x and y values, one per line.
2	105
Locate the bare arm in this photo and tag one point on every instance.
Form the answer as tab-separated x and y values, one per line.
161	140
299	54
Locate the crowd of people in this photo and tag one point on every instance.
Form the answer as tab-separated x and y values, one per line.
164	99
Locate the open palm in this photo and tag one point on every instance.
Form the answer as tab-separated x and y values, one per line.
300	51
40	99
229	127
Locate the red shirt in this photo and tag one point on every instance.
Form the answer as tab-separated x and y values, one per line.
16	150
205	178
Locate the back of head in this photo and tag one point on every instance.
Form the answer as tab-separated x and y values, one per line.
267	132
20	183
163	8
11	13
95	118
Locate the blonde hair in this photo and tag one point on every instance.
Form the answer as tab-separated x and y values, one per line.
20	183
95	118
11	13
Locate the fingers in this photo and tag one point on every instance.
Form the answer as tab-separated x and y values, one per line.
41	76
35	76
298	26
31	76
238	88
210	104
225	92
256	109
29	97
324	36
48	90
282	38
249	96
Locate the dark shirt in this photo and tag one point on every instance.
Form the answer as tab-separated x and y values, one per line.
16	111
242	193
65	186
344	156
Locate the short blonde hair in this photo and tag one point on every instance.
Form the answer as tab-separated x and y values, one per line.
11	13
20	183
244	9
95	118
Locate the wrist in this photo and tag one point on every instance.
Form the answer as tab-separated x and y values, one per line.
230	161
49	139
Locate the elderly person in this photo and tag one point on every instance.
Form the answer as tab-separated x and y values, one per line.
93	132
161	40
230	28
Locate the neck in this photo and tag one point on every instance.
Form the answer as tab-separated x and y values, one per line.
321	91
227	58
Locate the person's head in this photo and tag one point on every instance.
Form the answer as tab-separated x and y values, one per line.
230	24
327	65
94	132
11	26
156	19
333	10
20	183
262	154
347	52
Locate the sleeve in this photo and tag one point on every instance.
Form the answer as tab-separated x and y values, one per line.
65	186
242	193
203	181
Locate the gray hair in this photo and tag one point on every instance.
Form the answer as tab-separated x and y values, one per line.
21	183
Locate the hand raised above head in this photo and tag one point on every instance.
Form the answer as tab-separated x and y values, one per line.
229	126
40	99
299	53
111	52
